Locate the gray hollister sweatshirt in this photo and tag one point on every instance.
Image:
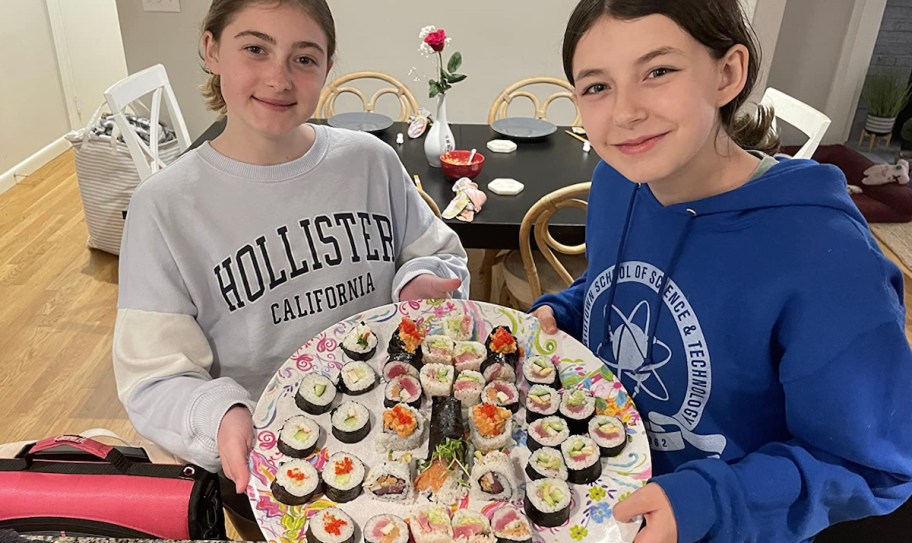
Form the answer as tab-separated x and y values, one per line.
227	268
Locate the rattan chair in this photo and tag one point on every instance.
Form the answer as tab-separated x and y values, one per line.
326	105
521	89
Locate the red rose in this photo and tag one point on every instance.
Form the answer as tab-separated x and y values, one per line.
436	40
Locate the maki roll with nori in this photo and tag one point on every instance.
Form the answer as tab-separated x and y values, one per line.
502	393
298	437
330	525
491	427
360	343
584	463
468	355
405	389
358	378
511	526
446	422
386	529
470	526
432	524
541	401
577	406
350	422
547	502
492	478
403	427
389	480
295	483
609	434
437	379
405	344
459	327
467	387
502	348
343	475
395	368
540	370
546	462
499	371
438	349
547	432
315	395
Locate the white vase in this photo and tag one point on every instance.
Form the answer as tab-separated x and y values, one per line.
439	138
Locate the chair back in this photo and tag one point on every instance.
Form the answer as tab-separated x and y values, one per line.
537	221
121	95
808	120
326	105
430	202
520	89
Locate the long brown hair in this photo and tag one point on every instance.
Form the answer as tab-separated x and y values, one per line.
718	25
222	12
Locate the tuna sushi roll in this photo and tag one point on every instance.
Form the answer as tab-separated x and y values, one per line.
405	344
395	368
358	378
471	527
547	432
499	371
584	463
350	422
438	350
295	483
467	387
315	395
546	462
541	401
402	428
437	379
547	502
360	343
577	406
330	525
608	433
511	526
468	355
298	437
492	478
389	480
540	370
502	347
342	477
386	529
431	524
492	427
459	327
405	389
502	393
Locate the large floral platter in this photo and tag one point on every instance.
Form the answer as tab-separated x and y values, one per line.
591	504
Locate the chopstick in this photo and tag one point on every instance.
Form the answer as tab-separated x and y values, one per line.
418	182
577	136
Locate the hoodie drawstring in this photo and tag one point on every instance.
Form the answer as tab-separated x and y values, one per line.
606	339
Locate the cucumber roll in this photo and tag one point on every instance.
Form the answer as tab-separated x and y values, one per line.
503	394
511	526
432	524
584	464
386	529
295	483
459	327
541	401
546	462
395	368
467	387
405	343
609	434
547	432
540	370
298	437
342	477
315	395
358	378
492	478
350	422
468	355
547	502
389	480
403	427
405	389
360	343
330	525
577	406
438	350
437	379
470	525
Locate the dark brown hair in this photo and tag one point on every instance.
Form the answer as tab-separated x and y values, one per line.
718	25
222	12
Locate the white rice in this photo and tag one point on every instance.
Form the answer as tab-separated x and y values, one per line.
296	488
441	531
467	387
396	469
437	379
317	525
549	406
468	355
459	327
380	526
351	339
494	462
358	376
438	349
350	416
312	380
356	475
557	433
295	424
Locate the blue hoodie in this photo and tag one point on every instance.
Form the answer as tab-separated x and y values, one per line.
773	372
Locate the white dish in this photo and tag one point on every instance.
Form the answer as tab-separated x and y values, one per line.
501	146
505	186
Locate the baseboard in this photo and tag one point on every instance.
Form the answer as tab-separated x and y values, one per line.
31	164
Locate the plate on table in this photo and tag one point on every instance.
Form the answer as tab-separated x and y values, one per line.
591	505
362	121
523	128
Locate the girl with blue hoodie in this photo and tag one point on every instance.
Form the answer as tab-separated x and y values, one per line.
740	299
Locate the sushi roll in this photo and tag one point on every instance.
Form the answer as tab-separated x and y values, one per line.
584	463
405	344
330	525
471	527
432	524
492	427
547	432
295	483
315	395
446	422
546	462
358	378
350	422
389	480
459	327
511	526
395	368
577	406
403	427
437	350
437	379
386	529
547	502
467	387
540	370
468	355
343	475
541	401
360	343
502	347
502	393
609	434
298	437
492	478
404	388
500	371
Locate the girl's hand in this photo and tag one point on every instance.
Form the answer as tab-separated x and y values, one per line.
235	441
545	315
651	502
428	286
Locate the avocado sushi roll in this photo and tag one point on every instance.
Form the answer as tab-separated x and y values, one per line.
471	526
360	343
577	406
298	437
350	422
358	378
609	434
437	349
459	327
467	387
540	370
468	355
546	462
386	529
541	401
547	502
432	524
511	526
583	459
295	483
315	395
330	525
343	475
437	379
547	432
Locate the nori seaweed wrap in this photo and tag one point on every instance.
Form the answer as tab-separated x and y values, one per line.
502	347
446	421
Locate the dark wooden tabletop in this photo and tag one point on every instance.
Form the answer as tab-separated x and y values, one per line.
542	166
